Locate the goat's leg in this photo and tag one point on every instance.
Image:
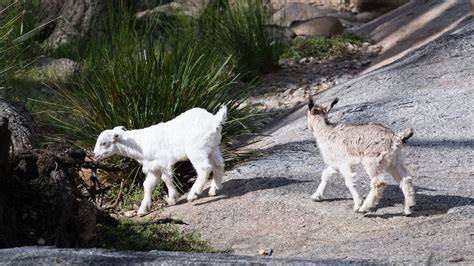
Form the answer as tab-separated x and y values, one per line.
203	168
375	168
149	185
377	186
217	171
349	175
401	175
173	195
327	173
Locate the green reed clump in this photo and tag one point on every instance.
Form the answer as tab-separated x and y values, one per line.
241	29
129	78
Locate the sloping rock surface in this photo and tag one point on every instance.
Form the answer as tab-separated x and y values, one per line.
49	255
265	202
413	25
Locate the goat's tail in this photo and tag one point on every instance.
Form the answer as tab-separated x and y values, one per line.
405	135
221	115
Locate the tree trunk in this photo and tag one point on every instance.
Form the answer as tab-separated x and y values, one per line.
5	141
22	126
78	19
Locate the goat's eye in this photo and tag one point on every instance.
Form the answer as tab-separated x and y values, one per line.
102	144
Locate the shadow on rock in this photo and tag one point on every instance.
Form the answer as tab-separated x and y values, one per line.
426	205
447	143
239	187
295	147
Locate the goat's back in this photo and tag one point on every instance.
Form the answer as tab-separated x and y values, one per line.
193	128
196	122
357	141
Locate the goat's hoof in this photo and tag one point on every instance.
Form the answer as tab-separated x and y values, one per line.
316	197
212	192
408	211
171	202
192	197
362	210
356	208
141	213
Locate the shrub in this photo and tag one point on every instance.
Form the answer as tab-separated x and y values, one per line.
321	47
242	30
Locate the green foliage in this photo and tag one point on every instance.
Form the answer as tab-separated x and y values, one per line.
148	236
134	80
241	29
322	47
137	73
129	194
15	19
117	36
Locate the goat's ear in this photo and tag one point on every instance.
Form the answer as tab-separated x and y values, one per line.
121	128
115	137
331	105
310	103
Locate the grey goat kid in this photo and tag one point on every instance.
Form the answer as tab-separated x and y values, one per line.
374	146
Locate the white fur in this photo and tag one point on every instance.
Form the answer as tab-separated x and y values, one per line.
194	135
374	146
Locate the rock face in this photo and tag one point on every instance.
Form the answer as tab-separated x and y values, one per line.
278	4
21	125
266	201
192	8
321	26
48	255
297	11
376	5
60	68
413	25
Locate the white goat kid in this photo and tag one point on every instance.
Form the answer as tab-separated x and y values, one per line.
376	147
193	135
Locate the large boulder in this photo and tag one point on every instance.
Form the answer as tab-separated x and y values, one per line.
192	8
430	90
321	26
21	124
298	11
333	4
53	68
376	5
413	25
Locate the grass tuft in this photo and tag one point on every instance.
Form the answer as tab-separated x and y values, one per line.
145	236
